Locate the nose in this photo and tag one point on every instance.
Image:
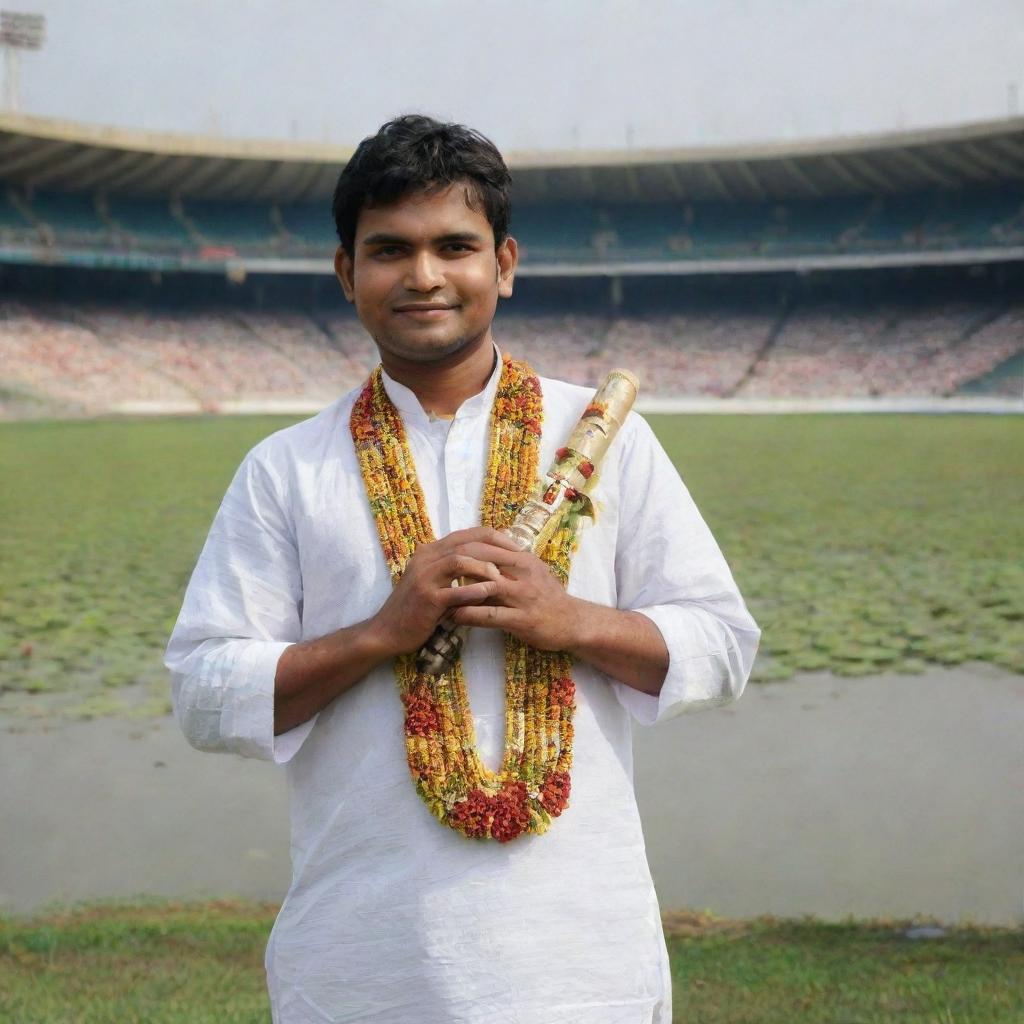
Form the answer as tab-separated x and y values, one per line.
425	273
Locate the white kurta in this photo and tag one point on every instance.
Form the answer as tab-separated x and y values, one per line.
392	917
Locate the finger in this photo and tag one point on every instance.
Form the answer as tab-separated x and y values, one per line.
479	534
468	594
429	557
501	557
463	566
489	616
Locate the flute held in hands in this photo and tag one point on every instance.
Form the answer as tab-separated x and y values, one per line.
563	490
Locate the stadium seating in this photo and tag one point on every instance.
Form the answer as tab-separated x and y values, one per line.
841	351
242	226
47	350
310	229
80	222
1005	381
93	357
566	233
147	224
15	227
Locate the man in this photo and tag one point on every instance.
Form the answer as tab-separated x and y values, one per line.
295	643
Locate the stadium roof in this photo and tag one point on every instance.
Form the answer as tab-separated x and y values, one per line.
41	153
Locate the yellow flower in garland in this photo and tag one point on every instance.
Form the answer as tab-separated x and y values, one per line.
533	784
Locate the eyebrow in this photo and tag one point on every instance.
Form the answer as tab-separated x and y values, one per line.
456	236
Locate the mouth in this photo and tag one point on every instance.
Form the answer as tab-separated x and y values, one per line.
425	311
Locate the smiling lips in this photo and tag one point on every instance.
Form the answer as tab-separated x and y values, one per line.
424	310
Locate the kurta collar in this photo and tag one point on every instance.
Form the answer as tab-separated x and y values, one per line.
406	402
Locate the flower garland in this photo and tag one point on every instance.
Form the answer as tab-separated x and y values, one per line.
533	784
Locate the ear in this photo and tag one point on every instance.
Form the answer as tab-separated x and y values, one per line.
507	255
344	270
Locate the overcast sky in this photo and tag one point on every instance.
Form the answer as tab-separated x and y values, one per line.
533	74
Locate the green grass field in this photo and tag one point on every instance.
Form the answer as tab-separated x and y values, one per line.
172	963
861	543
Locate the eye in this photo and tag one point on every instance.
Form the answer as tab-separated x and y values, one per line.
458	247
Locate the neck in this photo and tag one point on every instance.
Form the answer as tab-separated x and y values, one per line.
444	384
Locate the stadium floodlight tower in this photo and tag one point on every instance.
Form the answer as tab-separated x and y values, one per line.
18	31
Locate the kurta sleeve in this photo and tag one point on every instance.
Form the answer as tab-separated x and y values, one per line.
241	610
669	568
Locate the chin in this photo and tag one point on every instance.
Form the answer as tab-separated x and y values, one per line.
424	350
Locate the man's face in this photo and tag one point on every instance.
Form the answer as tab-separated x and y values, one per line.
425	276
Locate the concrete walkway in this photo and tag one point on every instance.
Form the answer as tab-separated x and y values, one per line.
880	797
892	796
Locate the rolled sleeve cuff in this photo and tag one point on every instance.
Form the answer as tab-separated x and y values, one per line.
706	668
232	706
286	746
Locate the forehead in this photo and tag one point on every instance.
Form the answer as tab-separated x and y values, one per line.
427	214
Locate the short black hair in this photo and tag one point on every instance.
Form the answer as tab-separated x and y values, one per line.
415	153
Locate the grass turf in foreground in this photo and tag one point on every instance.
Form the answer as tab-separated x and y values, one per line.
866	544
173	963
862	544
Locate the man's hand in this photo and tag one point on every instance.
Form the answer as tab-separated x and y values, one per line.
312	673
424	594
530	603
526	599
506	589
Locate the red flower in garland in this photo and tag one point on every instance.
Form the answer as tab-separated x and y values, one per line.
472	816
563	692
363	427
511	813
554	794
421	717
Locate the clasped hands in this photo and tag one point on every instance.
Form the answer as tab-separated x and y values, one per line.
504	588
